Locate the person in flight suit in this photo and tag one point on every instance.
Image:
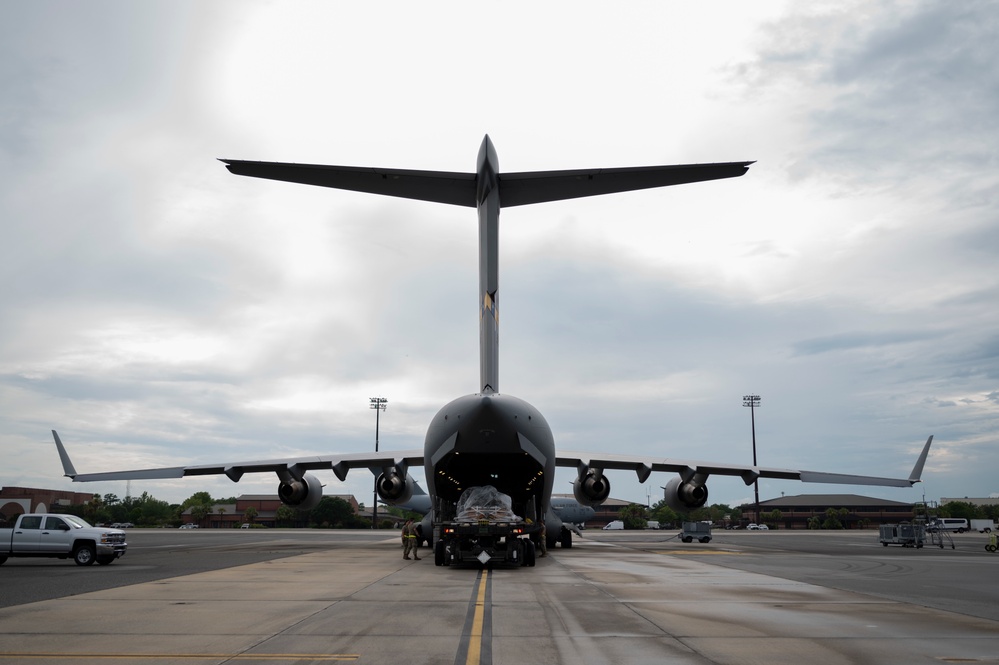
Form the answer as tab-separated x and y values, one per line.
409	540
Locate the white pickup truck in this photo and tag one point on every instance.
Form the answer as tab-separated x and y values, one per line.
61	536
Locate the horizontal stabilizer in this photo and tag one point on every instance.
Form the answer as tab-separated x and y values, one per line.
515	189
518	189
434	186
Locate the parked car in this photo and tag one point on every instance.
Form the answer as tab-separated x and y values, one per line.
244	525
948	524
752	527
61	536
189	525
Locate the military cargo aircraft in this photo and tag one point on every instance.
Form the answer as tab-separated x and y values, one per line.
489	437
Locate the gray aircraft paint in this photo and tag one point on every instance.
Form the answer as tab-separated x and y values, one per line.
487	437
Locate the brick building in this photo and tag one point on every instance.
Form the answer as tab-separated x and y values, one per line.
230	515
796	510
19	500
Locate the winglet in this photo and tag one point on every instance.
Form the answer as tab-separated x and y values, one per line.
67	465
917	471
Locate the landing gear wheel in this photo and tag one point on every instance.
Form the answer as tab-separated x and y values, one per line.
85	555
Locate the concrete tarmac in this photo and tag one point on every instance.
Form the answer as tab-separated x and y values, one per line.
623	598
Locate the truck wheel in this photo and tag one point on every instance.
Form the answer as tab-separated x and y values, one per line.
84	555
3	560
688	539
529	553
439	553
705	539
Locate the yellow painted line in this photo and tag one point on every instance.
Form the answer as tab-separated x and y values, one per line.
475	642
313	657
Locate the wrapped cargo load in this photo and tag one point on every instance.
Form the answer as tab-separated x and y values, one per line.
485	503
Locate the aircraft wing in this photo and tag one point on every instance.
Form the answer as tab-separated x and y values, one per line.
644	466
459	188
339	464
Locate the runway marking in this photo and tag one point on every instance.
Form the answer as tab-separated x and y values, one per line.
137	657
475	647
698	552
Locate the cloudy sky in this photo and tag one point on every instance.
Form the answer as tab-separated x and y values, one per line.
158	310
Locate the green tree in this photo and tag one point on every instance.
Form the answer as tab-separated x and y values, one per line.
662	513
149	511
833	517
634	516
199	512
775	516
197	499
251	513
285	515
332	511
968	511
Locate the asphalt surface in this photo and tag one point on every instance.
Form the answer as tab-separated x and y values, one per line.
280	596
156	554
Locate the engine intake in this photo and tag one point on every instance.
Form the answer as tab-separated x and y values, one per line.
591	488
303	494
394	487
683	496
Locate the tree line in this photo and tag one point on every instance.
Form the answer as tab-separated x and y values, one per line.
148	511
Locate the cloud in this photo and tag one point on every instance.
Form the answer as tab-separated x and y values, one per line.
159	310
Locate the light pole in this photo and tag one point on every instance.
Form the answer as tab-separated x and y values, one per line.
378	404
753	401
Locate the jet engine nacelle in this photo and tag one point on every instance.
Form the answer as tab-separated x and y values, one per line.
394	487
683	496
591	488
303	494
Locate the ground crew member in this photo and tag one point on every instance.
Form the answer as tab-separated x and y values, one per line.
409	541
544	539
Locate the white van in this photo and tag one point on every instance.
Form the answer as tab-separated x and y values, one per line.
948	524
614	526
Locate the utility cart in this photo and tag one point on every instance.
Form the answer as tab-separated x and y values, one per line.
701	531
906	535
